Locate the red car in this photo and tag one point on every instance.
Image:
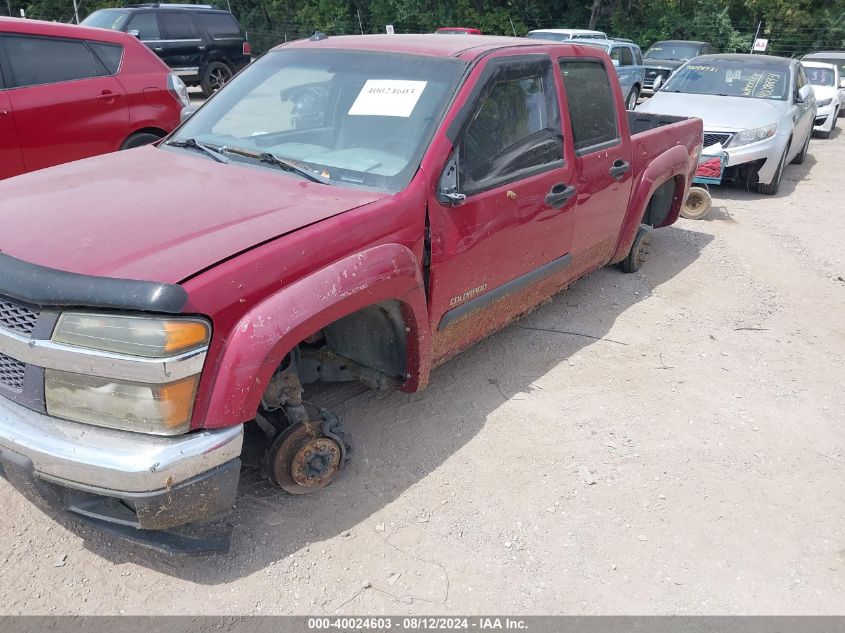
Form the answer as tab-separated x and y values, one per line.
70	92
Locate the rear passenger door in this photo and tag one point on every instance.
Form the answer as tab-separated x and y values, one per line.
11	161
181	46
66	104
603	158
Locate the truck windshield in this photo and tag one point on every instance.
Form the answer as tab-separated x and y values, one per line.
106	19
354	118
670	51
731	78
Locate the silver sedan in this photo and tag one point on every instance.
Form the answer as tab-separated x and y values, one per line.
759	108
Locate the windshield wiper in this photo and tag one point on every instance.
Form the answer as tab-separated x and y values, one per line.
193	143
281	163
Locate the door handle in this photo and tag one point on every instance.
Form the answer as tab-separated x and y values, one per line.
559	194
108	96
158	49
619	169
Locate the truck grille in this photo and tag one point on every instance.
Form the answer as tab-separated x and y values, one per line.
11	373
16	317
653	73
711	138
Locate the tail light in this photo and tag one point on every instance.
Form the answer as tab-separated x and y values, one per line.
178	89
247	48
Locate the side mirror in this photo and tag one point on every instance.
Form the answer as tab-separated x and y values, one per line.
658	81
447	187
187	112
615	62
135	32
804	93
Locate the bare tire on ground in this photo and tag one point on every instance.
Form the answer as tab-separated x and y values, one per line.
639	249
697	205
215	76
139	139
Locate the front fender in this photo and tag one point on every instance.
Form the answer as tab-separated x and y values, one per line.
259	342
671	164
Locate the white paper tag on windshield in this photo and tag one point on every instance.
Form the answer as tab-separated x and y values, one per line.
387	97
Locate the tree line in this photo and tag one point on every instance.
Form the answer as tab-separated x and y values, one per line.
792	26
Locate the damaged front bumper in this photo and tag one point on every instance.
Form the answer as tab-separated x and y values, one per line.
149	489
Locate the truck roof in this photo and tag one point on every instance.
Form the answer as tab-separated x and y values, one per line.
427	44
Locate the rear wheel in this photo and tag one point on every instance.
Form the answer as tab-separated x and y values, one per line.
215	76
633	98
639	249
139	139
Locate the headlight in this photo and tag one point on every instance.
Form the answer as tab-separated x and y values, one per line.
157	409
824	102
753	136
161	409
136	336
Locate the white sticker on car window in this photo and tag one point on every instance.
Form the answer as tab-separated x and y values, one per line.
387	97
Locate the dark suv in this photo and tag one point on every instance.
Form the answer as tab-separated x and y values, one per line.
203	45
665	57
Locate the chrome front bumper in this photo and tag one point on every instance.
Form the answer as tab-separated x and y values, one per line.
83	456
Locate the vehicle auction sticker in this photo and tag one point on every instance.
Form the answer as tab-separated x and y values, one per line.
387	97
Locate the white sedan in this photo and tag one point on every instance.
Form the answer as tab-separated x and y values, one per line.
759	108
825	81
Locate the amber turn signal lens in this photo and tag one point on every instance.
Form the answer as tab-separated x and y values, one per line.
182	335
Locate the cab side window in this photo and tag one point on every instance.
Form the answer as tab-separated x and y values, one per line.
591	106
514	129
627	57
37	61
177	25
146	25
638	56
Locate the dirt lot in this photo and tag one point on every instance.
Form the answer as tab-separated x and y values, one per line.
677	447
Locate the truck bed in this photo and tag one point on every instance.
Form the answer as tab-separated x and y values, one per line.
639	122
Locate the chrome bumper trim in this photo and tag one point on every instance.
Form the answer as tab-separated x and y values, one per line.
51	355
186	72
114	461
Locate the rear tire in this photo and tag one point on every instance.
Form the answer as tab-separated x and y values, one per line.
139	139
772	188
639	249
633	98
214	77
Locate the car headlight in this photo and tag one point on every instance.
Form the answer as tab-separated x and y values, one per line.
824	102
161	409
753	136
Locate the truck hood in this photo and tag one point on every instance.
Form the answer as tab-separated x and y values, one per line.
718	113
669	64
155	214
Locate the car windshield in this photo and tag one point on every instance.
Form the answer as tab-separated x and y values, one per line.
677	52
106	19
352	117
731	78
820	76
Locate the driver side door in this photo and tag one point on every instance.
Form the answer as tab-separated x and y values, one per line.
509	225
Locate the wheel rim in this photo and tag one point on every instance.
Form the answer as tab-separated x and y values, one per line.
303	460
218	77
632	100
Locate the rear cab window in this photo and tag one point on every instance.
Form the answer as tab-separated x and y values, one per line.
592	109
37	61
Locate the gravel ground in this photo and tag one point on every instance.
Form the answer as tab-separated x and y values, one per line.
677	447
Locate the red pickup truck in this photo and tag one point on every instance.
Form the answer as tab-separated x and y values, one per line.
346	209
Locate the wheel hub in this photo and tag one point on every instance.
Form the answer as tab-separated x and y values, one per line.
316	462
304	458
